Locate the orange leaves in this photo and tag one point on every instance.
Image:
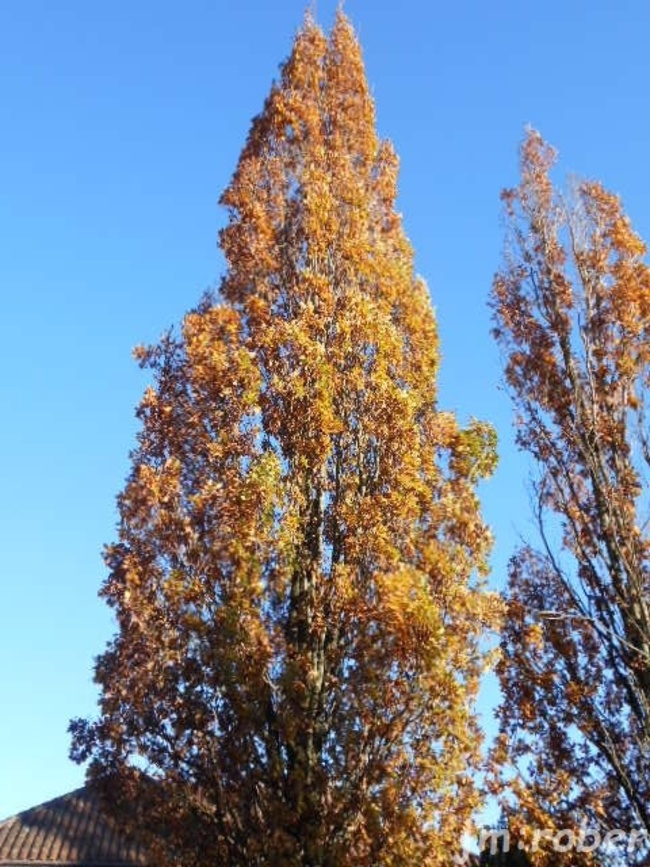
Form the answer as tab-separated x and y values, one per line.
571	312
411	615
301	629
221	370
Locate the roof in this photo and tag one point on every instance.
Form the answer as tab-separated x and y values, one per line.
73	830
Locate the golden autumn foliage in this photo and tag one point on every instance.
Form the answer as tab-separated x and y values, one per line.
297	579
572	314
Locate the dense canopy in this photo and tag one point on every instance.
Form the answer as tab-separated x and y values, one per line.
297	578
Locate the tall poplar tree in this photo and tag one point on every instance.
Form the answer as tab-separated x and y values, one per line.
572	314
295	580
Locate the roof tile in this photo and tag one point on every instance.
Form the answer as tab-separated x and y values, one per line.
71	830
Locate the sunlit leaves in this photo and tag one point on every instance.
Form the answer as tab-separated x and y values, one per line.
300	626
572	315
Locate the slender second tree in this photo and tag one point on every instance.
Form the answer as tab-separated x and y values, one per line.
297	576
572	313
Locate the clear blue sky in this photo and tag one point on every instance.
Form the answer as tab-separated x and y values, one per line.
121	124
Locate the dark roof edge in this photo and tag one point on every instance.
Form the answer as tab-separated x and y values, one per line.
49	802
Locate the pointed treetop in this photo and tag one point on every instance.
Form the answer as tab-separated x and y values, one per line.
300	537
311	15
